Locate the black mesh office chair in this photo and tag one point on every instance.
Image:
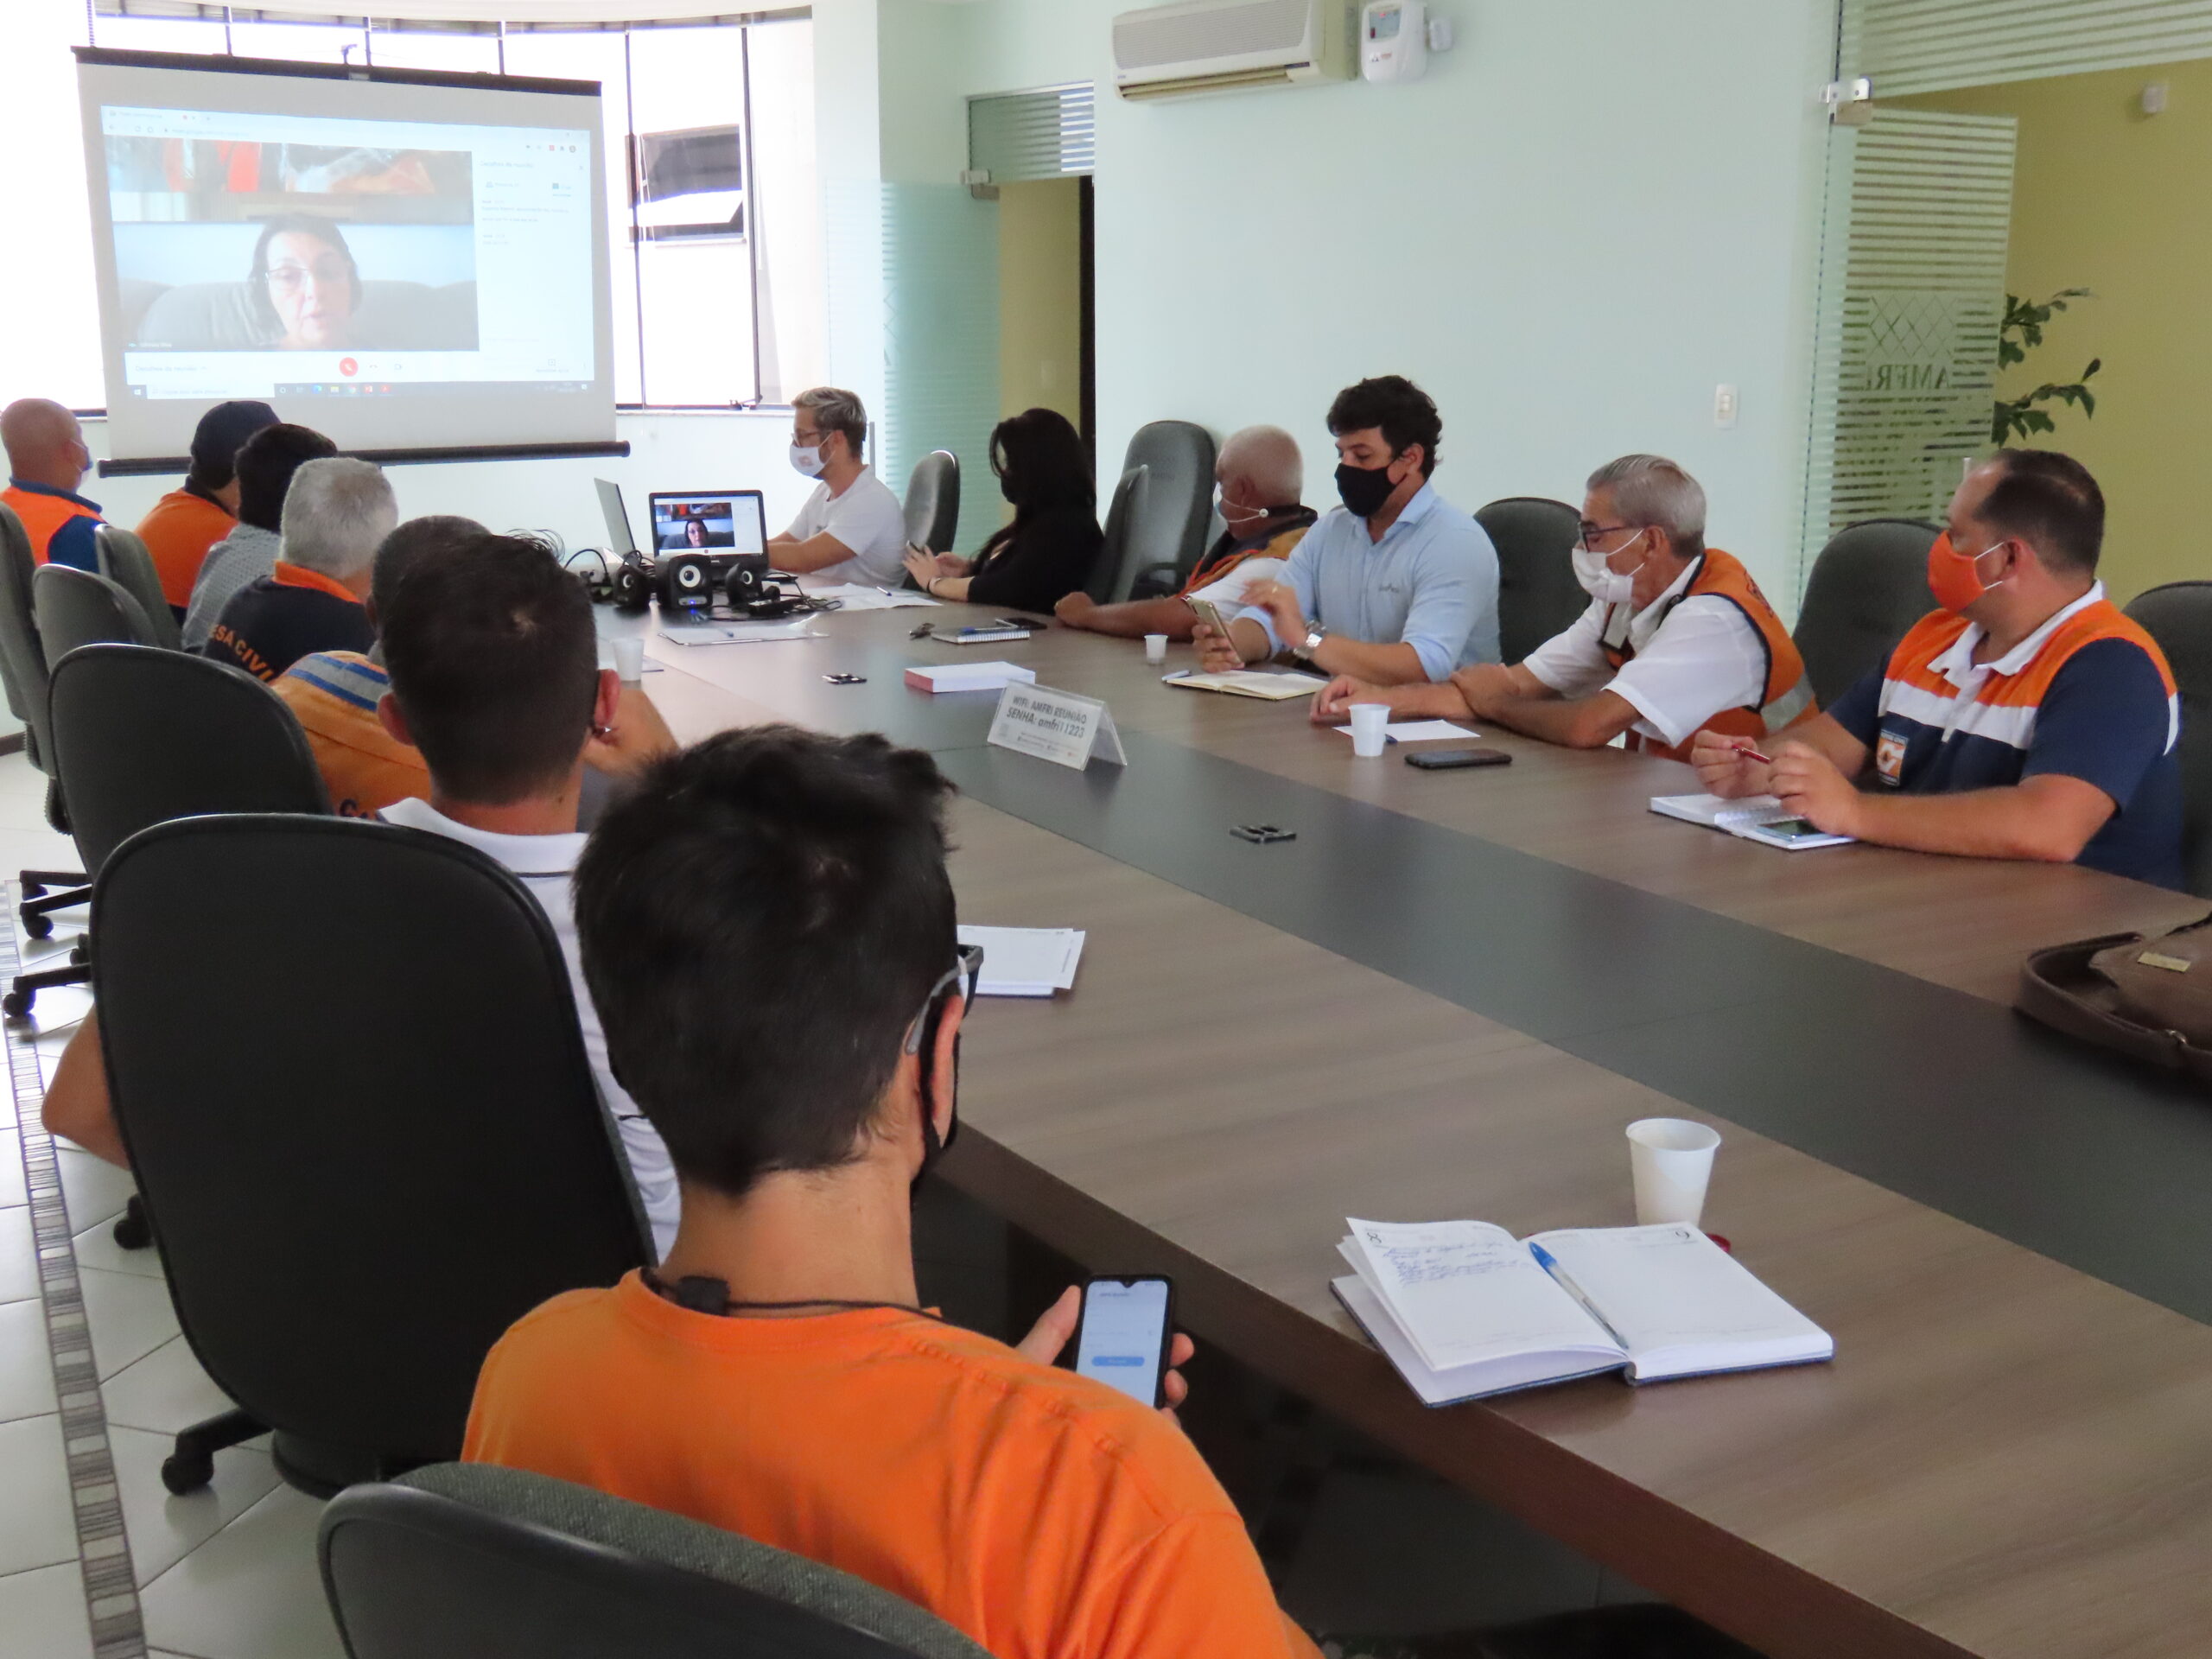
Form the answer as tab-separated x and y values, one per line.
125	562
932	503
345	1062
23	671
501	1564
71	607
1537	593
1167	529
1868	587
2179	617
75	607
1119	553
143	734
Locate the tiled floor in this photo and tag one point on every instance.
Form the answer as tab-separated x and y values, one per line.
228	1572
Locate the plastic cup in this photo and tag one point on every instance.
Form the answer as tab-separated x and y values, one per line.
630	660
1370	724
1671	1160
1155	647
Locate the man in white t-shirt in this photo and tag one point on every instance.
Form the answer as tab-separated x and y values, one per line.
851	528
495	677
1259	475
1677	639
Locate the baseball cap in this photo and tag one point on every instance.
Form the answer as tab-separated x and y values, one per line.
222	430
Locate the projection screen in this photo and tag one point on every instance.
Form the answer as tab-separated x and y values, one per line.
405	260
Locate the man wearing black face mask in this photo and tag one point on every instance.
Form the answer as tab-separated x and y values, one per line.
768	927
1396	586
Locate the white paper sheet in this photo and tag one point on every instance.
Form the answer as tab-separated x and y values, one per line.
1420	731
1025	961
858	596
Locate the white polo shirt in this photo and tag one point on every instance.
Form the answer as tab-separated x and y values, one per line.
1692	660
867	520
1232	589
546	865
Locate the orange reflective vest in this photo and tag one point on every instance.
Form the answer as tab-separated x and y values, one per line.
1786	696
43	513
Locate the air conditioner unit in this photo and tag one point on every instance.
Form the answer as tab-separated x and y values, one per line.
1199	46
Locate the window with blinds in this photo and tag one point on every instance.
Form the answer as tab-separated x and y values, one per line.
1043	135
1912	293
1914	46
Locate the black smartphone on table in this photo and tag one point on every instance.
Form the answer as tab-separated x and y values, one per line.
1124	1337
1453	759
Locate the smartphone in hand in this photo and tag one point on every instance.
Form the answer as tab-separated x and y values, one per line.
1123	1339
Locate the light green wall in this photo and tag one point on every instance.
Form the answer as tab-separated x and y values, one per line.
2106	198
1586	216
1041	297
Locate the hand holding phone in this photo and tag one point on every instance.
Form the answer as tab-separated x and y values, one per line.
1125	1335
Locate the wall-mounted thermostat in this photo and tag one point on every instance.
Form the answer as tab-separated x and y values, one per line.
1394	40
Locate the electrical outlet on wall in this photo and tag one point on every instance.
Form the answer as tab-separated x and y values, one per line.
1724	405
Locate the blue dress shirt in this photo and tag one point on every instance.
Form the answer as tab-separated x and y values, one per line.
1431	583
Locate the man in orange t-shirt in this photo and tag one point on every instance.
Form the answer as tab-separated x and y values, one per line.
767	930
183	524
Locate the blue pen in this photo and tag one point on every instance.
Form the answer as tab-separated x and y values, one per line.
1565	1280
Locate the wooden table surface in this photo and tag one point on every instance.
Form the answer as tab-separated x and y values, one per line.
2008	1457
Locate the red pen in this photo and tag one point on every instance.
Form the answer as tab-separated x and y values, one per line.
1750	753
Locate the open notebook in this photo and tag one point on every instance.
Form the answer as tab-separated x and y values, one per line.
1248	682
1464	1309
1755	817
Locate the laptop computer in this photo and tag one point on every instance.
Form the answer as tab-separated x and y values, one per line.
719	522
619	540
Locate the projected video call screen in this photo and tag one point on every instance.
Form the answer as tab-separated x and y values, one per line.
411	262
713	524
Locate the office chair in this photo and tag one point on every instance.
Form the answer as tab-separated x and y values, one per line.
71	607
1537	593
2179	617
345	1062
503	1564
125	562
1868	587
932	504
1167	533
22	670
1118	553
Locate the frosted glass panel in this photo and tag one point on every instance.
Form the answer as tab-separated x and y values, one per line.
941	341
1911	46
1912	293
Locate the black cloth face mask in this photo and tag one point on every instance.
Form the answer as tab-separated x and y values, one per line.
1364	489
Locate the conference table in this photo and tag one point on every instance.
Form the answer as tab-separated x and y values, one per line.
1447	997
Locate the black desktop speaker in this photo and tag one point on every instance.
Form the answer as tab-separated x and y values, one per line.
687	583
633	583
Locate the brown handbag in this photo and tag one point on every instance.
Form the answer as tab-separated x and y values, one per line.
2150	998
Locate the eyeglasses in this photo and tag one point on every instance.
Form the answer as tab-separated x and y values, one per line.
968	969
1590	532
287	279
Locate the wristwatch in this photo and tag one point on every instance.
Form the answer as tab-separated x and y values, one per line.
1304	649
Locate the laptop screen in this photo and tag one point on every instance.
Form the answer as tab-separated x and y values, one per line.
709	521
618	520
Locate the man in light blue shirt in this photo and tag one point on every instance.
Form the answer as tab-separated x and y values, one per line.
1396	586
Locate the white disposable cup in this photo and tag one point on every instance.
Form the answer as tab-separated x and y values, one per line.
630	660
1671	1160
1155	647
1370	723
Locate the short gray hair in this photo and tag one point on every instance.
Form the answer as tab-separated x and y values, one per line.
1269	456
1653	491
837	410
336	514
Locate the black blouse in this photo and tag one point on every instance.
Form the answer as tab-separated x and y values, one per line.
1047	559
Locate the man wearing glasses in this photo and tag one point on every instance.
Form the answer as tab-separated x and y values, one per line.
768	930
852	529
1677	639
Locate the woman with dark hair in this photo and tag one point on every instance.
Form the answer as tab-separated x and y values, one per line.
1048	552
304	286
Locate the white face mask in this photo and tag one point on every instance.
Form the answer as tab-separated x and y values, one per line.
807	462
1600	581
